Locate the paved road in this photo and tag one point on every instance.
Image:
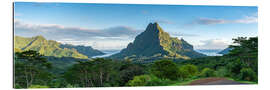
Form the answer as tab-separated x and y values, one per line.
215	81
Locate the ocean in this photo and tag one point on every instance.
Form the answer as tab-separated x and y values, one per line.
208	52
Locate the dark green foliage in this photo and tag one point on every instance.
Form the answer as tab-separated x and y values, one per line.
222	72
165	69
247	47
248	74
235	67
95	73
60	65
128	71
31	69
102	72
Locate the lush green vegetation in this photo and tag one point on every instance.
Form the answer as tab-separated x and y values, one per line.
33	70
53	48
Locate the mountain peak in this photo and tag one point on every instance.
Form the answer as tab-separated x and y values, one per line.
39	37
154	28
155	43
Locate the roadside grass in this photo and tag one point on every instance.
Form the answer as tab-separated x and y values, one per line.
241	81
186	82
182	83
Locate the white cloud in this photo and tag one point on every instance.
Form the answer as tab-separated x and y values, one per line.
55	31
213	44
213	21
107	38
247	20
100	44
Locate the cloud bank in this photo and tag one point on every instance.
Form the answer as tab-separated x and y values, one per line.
213	21
114	37
213	44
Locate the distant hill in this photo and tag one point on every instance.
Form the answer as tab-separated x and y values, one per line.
154	43
225	51
85	50
53	48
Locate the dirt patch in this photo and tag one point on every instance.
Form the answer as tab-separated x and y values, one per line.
214	81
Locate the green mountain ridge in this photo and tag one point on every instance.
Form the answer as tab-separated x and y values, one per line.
51	47
154	43
85	50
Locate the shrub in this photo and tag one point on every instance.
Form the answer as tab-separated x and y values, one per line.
187	71
207	72
222	72
248	74
155	81
235	67
38	86
149	80
139	80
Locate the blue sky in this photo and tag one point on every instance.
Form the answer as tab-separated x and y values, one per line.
102	25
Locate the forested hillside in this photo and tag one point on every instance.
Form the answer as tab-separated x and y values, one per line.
240	64
53	48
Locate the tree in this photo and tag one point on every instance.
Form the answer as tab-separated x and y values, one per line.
93	73
246	49
165	69
31	68
248	74
245	46
128	71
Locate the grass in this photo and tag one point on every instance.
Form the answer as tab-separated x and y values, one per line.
247	82
186	82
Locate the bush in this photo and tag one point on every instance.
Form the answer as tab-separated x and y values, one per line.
38	86
165	69
235	67
222	72
248	74
139	80
17	86
187	71
155	81
207	72
149	80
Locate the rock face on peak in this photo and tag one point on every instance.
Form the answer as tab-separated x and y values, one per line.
154	43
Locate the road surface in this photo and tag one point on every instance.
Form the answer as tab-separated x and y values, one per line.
215	81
